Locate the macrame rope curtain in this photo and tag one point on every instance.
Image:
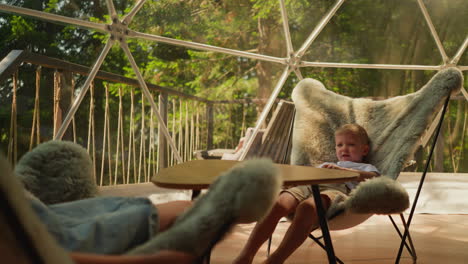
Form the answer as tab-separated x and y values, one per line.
117	160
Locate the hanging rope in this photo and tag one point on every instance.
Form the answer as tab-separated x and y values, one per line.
204	130
131	138
231	123
120	149
57	95
142	140
179	147
462	141
186	129
197	125
103	143
151	146
109	139
154	132
454	156
72	94
192	131
91	147
173	129
13	141
106	139
229	120
36	113
156	168
244	115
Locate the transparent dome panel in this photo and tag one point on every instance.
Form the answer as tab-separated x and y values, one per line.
378	32
304	18
448	18
230	24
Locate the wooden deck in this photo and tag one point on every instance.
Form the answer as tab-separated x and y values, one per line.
437	238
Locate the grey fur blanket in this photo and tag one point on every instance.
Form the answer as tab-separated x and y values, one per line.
394	125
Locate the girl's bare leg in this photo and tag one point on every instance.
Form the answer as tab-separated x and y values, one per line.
168	212
285	204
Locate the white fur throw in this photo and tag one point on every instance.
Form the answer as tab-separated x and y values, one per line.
394	125
380	195
57	171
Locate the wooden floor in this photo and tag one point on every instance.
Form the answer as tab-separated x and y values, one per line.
437	238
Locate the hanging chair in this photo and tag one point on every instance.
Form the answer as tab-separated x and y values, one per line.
394	126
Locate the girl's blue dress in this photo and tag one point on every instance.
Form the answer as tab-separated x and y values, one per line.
103	225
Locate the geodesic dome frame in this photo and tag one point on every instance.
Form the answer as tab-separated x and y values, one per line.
118	31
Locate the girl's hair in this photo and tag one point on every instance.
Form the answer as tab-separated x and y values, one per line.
355	130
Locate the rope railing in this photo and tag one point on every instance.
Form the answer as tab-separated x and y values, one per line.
36	117
115	124
13	136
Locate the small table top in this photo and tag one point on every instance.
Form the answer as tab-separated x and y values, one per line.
199	174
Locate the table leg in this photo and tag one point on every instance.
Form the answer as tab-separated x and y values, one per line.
323	224
195	194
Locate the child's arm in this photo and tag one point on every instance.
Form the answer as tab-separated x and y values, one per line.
363	175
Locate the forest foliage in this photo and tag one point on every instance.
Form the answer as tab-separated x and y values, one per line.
362	31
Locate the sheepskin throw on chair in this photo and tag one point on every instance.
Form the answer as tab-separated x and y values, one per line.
394	125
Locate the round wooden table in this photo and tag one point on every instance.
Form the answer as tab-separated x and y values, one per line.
199	174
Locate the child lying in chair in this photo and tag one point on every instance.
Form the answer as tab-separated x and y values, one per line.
173	232
352	146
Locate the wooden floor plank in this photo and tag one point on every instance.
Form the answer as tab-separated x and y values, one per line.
437	238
